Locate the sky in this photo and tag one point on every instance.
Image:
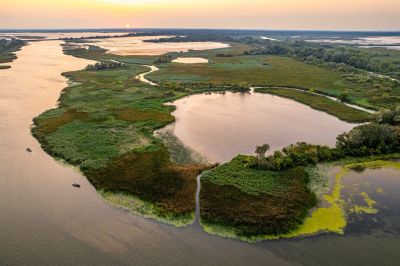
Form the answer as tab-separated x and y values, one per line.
239	14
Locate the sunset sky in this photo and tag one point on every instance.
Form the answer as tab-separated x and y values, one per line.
261	14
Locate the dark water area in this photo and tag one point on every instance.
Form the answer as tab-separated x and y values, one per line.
46	221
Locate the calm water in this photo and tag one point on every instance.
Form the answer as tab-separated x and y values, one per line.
377	41
57	35
137	46
220	126
44	220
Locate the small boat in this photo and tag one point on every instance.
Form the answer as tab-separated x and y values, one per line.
76	185
28	149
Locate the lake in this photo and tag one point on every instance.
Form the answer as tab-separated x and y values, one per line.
223	125
138	46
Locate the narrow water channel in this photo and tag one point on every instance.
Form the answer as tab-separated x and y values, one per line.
142	77
198	188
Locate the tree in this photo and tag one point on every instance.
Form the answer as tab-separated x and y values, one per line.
344	97
261	150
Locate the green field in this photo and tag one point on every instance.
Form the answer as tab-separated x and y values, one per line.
321	103
256	70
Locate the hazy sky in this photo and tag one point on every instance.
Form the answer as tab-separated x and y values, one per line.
262	14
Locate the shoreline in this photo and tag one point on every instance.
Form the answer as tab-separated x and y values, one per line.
10	55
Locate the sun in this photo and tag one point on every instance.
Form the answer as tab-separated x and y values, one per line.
127	26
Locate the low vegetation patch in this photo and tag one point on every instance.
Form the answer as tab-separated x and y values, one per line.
153	178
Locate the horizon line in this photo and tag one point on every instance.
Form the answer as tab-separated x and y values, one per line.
177	28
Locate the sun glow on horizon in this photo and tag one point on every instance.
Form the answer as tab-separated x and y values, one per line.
261	14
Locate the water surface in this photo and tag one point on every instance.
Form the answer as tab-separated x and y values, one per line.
190	60
57	35
220	126
45	221
137	46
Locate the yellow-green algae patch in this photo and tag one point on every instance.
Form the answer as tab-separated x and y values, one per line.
380	190
333	217
324	219
329	219
146	209
369	209
375	164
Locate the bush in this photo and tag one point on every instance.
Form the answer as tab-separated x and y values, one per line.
370	139
105	65
387	116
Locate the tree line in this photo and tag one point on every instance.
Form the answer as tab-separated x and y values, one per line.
377	138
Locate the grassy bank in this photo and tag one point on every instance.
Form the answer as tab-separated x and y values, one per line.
320	103
7	51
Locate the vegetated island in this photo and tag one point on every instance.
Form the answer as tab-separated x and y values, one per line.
269	197
106	119
8	47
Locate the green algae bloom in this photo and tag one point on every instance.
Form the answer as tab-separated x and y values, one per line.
380	190
326	219
369	209
333	217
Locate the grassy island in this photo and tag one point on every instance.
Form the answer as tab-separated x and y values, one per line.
8	47
252	201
